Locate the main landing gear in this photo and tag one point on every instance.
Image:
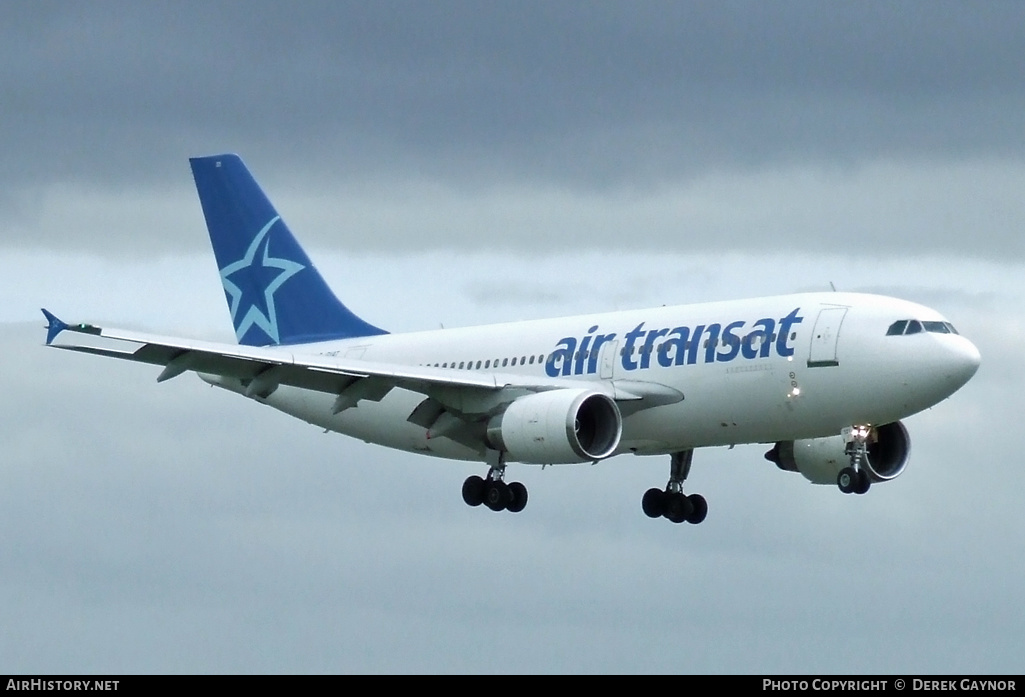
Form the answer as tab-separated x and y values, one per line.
855	479
673	503
493	492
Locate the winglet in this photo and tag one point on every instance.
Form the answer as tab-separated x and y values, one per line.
55	326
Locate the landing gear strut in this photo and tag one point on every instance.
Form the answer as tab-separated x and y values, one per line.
854	479
672	503
493	492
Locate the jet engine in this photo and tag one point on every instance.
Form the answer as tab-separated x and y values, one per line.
821	459
557	427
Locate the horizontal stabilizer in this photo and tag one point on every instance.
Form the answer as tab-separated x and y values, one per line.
54	326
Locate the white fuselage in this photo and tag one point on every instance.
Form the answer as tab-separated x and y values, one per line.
760	370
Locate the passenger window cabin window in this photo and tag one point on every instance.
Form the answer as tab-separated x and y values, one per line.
505	362
461	365
897	328
478	365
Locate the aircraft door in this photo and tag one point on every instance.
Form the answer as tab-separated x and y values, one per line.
824	337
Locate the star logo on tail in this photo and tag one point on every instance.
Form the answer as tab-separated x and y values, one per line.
258	276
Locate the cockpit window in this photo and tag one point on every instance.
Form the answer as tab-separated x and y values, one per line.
897	328
913	326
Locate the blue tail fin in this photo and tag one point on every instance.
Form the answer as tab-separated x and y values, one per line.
274	293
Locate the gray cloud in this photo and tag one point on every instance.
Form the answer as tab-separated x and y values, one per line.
582	93
885	210
522	126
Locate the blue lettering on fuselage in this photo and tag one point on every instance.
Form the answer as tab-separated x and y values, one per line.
675	346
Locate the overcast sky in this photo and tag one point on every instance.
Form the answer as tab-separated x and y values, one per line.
460	163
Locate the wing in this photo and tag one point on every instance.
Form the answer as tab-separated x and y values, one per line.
261	370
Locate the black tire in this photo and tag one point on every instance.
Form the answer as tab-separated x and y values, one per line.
678	507
864	482
473	491
518	496
847	480
699	509
654	503
496	495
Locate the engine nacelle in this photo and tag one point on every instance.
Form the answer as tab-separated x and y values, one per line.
558	427
821	459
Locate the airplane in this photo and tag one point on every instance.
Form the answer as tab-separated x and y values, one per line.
824	378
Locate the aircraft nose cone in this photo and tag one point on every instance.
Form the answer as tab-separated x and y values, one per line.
966	360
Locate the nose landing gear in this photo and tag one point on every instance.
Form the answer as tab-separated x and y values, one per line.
854	479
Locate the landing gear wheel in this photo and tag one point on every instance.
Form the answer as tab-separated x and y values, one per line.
863	483
496	495
672	503
473	491
699	509
678	507
518	497
847	480
653	503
